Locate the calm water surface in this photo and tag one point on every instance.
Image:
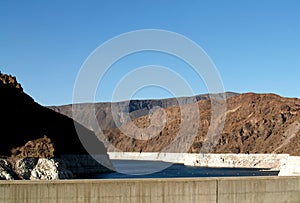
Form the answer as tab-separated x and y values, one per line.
158	169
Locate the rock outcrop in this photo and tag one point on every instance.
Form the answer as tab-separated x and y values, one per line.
34	139
34	169
6	173
42	169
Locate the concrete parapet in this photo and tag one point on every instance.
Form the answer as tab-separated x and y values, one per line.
217	190
259	189
110	191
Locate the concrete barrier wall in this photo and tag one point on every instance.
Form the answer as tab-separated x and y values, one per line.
262	189
223	190
110	191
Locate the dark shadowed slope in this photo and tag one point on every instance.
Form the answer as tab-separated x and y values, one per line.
23	120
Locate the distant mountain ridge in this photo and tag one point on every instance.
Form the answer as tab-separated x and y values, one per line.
255	123
135	107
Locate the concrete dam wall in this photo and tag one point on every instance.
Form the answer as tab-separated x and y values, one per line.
212	190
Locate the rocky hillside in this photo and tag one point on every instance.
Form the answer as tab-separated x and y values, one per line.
29	130
136	109
261	123
255	123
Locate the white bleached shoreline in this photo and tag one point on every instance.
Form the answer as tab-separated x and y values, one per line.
286	164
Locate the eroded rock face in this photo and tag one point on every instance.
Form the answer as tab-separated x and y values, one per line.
50	169
24	167
39	148
67	167
10	82
34	169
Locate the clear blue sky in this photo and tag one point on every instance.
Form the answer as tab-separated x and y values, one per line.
255	45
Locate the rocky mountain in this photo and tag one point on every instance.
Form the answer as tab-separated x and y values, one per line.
254	123
30	132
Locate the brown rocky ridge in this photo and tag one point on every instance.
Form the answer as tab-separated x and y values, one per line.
254	123
32	135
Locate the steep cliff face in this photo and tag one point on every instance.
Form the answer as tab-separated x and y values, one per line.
31	130
255	123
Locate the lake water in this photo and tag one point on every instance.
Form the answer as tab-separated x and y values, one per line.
158	169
